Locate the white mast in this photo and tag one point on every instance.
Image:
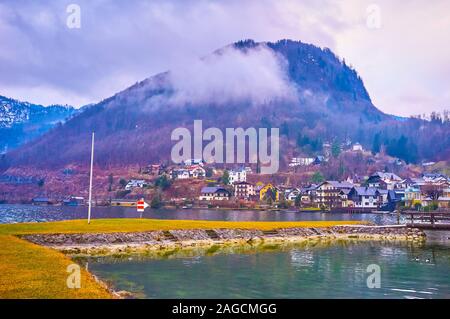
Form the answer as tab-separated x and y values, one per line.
90	180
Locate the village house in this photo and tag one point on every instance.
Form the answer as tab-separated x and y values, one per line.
193	171
319	160
196	171
180	174
435	179
328	194
214	194
154	169
291	194
355	179
383	196
244	190
135	183
345	201
412	195
384	180
364	197
357	147
41	201
236	176
307	194
426	164
417	195
193	161
262	191
403	184
74	201
446	192
301	161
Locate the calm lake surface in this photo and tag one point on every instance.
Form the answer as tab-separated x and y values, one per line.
337	270
30	213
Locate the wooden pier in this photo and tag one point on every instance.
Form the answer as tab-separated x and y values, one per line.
438	220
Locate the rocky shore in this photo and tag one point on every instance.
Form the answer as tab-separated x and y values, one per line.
112	243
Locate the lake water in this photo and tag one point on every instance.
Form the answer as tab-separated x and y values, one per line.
30	213
290	271
336	270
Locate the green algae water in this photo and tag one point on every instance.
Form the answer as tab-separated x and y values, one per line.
331	270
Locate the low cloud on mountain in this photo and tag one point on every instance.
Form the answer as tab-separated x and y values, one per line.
255	76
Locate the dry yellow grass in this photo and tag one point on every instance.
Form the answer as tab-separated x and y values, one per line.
138	225
31	271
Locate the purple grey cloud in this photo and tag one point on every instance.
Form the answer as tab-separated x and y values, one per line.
404	63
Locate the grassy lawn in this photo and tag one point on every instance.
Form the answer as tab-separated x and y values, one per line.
31	271
139	225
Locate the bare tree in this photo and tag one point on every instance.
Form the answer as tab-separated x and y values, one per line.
433	191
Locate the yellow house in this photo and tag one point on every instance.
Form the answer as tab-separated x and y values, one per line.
264	189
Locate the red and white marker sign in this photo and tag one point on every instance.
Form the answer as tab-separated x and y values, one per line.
141	205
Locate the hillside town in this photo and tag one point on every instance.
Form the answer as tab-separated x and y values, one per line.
195	183
340	178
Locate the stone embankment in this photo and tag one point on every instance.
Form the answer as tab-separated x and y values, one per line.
105	243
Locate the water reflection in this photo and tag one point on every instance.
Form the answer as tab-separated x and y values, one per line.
30	213
288	271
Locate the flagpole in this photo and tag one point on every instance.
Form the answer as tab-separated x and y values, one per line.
90	180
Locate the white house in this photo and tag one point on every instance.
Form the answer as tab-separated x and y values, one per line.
236	176
193	161
244	190
214	194
357	147
385	180
383	196
134	183
364	197
194	171
180	174
301	161
292	194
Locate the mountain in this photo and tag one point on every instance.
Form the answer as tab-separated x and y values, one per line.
307	91
22	121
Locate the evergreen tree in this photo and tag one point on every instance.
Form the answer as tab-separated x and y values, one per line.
284	129
209	172
156	201
317	178
335	149
163	182
110	182
258	167
226	177
298	201
122	182
376	145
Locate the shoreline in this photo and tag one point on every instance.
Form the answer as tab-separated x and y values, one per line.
224	208
103	244
43	251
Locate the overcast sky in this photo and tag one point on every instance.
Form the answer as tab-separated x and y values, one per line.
402	51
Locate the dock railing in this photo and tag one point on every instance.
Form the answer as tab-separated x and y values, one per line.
439	219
